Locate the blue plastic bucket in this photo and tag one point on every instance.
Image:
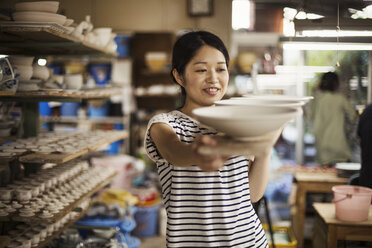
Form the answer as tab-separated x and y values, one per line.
122	42
45	109
147	221
70	108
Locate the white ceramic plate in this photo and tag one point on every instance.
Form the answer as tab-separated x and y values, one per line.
31	16
42	6
243	101
245	121
348	166
286	98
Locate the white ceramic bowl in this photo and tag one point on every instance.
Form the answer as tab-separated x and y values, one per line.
244	101
347	169
33	16
40	72
156	61
27	86
245	121
278	98
25	71
40	6
73	81
103	34
68	22
20	60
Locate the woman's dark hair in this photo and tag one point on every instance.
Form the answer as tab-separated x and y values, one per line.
188	44
329	82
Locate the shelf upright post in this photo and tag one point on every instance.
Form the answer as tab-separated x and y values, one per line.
30	119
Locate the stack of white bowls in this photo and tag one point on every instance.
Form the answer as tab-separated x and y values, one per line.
252	116
23	70
40	11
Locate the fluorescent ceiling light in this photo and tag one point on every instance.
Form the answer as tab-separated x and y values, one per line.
326	46
335	33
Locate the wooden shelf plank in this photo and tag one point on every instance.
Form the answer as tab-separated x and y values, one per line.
44	95
7	93
58	158
40	158
73	119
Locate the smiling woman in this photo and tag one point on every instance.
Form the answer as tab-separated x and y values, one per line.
208	197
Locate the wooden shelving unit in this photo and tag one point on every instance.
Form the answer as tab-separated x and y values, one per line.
50	39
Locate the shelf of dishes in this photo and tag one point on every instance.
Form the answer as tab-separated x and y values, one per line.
58	147
40	234
62	94
46	196
45	39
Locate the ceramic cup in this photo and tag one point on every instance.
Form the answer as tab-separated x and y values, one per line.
23	195
6	194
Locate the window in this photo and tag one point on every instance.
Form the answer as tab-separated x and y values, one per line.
242	14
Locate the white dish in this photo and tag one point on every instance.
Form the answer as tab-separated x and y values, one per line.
42	6
68	22
31	16
27	87
348	166
24	72
40	72
31	81
287	98
245	121
244	101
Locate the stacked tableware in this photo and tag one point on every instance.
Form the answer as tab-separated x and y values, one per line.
251	117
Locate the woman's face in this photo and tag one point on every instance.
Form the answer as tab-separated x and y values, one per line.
205	78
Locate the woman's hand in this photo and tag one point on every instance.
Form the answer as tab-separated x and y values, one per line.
207	162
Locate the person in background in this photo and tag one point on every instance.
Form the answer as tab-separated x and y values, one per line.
208	198
328	112
365	135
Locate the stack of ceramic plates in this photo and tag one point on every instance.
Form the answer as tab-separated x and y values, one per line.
280	98
251	116
42	11
347	169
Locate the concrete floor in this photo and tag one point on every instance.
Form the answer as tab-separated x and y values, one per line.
153	242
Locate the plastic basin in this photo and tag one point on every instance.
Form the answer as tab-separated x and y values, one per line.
352	203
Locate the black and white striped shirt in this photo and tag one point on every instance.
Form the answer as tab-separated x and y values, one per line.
205	209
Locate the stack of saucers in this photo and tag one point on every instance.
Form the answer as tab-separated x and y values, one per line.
40	11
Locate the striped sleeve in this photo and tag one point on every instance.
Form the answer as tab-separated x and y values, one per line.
149	144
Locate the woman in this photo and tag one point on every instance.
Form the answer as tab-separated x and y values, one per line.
328	112
208	198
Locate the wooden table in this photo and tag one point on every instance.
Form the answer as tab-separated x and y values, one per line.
310	182
328	230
